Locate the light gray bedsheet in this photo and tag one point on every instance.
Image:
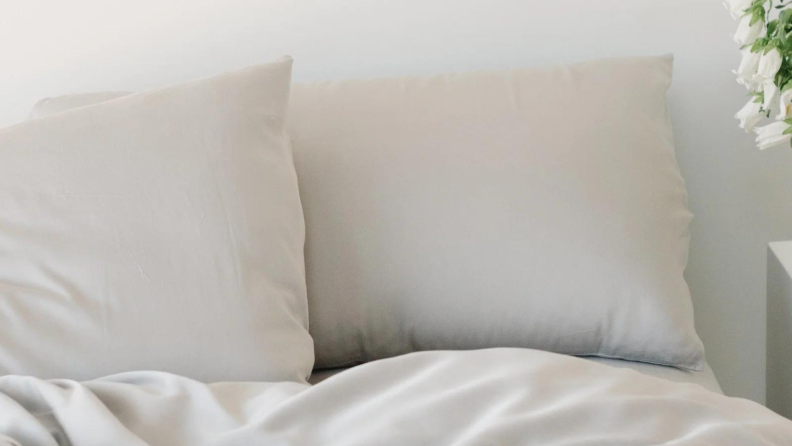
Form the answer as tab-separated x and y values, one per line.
705	378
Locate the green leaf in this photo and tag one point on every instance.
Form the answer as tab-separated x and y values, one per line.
772	26
759	44
788	131
757	14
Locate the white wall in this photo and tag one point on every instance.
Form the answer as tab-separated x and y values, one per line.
742	198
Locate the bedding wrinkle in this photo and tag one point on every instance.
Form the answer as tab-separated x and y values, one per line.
143	274
229	227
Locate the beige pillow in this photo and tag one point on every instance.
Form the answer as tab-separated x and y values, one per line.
159	231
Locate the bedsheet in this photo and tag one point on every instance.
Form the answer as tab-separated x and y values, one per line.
485	397
705	377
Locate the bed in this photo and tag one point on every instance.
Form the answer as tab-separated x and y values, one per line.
445	260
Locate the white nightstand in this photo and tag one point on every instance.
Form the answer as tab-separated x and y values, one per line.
779	328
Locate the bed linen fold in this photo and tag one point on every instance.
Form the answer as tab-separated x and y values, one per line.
485	397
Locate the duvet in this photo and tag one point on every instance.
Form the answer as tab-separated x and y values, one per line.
486	397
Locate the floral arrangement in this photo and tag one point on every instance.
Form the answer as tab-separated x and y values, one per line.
764	34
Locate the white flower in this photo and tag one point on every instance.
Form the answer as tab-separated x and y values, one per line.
769	64
770	93
750	115
772	135
785	109
737	7
749	65
746	33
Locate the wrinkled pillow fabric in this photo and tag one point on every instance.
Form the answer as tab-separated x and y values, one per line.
58	104
159	231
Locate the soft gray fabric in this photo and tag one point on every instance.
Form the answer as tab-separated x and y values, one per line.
527	208
705	378
159	231
480	398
